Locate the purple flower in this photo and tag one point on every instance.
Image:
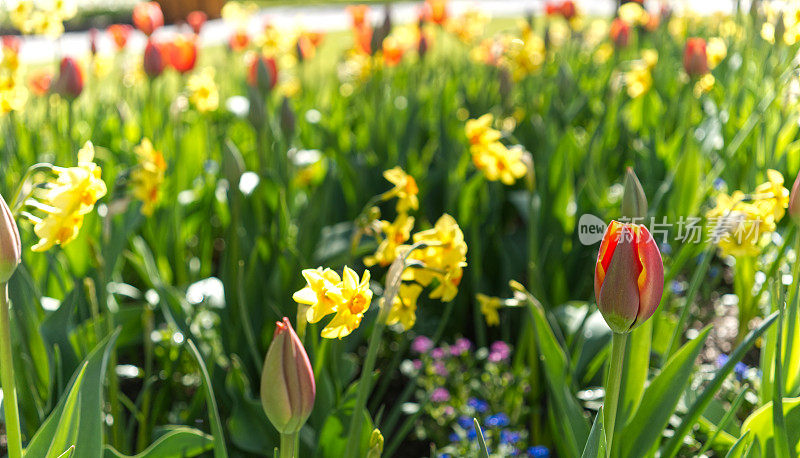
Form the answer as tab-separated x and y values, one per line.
461	346
479	405
449	411
417	364
437	353
509	437
421	345
497	421
440	369
440	395
539	451
740	370
722	359
499	351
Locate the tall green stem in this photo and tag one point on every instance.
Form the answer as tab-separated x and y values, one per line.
618	342
13	434
287	445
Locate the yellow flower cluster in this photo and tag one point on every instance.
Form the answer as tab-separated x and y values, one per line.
783	21
704	85
743	223
493	158
393	235
326	293
67	200
43	18
203	90
523	55
148	176
469	26
13	93
639	79
716	50
489	307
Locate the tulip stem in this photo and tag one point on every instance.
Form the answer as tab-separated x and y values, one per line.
287	445
13	435
618	342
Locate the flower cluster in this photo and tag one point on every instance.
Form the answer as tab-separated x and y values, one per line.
456	384
326	293
639	79
203	91
148	176
743	222
12	93
67	200
492	157
42	18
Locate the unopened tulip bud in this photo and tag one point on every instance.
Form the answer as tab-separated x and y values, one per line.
70	79
794	201
154	61
628	276
695	59
287	381
263	73
634	201
287	118
620	33
257	112
10	245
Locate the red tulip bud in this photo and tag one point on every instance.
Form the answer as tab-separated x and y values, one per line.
620	32
147	17
70	79
287	381
263	73
153	59
120	33
695	61
628	276
10	245
794	201
196	20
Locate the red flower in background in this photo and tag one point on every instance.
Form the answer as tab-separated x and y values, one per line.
565	9
239	40
267	67
308	43
147	17
70	79
154	60
363	39
620	32
358	13
196	20
40	82
392	51
119	34
182	52
11	42
435	11
695	60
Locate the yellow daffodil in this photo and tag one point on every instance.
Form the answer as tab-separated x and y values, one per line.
771	197
148	176
469	26
405	189
480	132
322	293
633	13
73	195
489	307
704	85
395	234
404	308
716	50
203	90
442	259
739	227
497	162
524	57
356	298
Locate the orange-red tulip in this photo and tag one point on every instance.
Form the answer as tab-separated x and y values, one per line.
628	276
120	33
11	42
263	73
40	82
358	14
239	40
435	11
147	17
196	20
182	53
695	60
620	32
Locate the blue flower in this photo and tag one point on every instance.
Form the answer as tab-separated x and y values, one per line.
539	451
722	359
740	370
477	404
454	437
472	434
497	421
444	455
509	437
719	184
465	422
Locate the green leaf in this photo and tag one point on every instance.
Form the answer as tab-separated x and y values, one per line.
90	430
333	436
68	453
211	401
741	448
178	442
760	426
67	429
481	441
596	444
573	427
660	399
702	401
634	372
